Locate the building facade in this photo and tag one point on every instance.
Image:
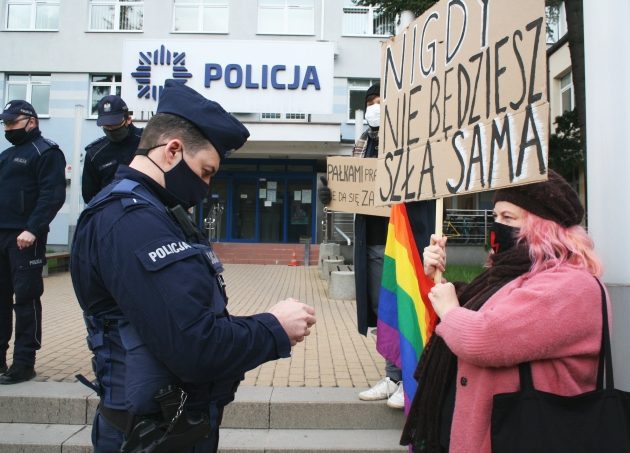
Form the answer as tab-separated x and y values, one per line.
60	54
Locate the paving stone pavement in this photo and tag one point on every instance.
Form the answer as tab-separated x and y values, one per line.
334	355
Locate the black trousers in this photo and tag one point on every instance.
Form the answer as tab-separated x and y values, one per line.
21	276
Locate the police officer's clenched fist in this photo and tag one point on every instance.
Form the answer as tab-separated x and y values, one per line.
323	193
295	318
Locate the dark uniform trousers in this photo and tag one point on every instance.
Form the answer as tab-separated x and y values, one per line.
21	274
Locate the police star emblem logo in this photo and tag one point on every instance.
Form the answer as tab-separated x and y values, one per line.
107	107
149	89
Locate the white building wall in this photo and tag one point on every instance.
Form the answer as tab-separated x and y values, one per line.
73	53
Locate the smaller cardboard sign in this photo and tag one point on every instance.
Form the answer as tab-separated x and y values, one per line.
352	182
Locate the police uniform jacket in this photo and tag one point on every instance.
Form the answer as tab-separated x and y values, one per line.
32	185
131	262
102	158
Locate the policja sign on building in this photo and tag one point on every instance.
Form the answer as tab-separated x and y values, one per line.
243	76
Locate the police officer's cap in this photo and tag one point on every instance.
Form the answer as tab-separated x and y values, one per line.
16	108
225	132
112	110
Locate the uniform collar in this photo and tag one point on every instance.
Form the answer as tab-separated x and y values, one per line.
126	172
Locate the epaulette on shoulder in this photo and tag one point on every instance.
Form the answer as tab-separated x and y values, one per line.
97	144
42	144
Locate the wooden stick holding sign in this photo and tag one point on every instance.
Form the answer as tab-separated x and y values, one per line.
439	220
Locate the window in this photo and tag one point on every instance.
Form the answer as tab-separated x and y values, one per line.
287	116
200	16
286	17
32	15
366	21
31	88
103	85
556	23
356	95
566	93
116	15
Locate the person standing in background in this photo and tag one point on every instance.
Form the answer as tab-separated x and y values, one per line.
117	146
32	190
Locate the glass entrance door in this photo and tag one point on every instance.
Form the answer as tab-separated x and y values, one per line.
244	210
300	210
215	211
271	208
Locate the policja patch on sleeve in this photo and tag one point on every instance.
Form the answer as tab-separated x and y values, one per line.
162	252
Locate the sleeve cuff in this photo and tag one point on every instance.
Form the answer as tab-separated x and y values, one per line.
283	344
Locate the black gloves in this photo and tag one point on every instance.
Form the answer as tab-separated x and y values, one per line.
323	193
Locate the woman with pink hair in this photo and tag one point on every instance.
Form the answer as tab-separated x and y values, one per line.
538	301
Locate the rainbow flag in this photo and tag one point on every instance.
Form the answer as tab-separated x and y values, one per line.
406	318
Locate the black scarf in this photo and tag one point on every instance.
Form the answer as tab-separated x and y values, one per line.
438	365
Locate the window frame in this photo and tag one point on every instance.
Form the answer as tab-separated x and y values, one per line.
284	117
29	89
117	4
113	84
567	88
33	14
357	85
200	21
285	19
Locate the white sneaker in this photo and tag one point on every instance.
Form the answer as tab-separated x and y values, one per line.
397	400
382	389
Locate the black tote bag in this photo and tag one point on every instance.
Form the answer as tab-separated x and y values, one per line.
594	422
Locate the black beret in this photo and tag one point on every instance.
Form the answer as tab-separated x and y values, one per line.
225	132
553	199
373	90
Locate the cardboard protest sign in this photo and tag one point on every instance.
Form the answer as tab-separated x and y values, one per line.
464	101
352	182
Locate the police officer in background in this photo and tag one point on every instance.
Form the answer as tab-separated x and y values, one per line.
168	357
32	190
117	147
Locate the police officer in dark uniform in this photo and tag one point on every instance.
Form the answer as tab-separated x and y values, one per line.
117	147
32	190
167	355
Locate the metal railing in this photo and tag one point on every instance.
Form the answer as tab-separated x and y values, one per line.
462	226
366	21
467	226
338	227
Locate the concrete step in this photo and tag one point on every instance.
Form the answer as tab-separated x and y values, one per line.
46	417
45	438
263	408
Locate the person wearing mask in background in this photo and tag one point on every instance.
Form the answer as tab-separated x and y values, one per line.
538	301
104	155
168	356
32	190
370	235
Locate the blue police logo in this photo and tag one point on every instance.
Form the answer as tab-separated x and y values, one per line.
161	57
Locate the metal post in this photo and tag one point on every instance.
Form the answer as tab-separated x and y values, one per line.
75	178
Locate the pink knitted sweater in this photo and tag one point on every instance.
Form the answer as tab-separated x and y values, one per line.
552	318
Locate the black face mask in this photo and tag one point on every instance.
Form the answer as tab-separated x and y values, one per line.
19	136
118	134
502	237
181	181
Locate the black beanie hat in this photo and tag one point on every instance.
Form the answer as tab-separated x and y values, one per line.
373	90
553	199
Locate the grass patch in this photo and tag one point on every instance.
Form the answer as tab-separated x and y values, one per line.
462	272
